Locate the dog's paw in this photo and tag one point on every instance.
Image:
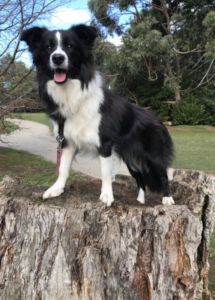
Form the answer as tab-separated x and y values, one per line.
53	192
107	198
141	196
168	201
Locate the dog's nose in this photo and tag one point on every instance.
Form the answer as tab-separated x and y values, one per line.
58	59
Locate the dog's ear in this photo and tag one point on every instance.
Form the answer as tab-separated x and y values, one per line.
32	37
86	34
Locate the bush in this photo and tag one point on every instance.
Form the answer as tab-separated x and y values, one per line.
190	111
162	111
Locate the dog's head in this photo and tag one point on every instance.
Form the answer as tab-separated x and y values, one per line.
63	54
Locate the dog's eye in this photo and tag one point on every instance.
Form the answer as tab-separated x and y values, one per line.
70	46
48	47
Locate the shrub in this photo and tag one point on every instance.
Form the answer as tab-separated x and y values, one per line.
190	111
162	111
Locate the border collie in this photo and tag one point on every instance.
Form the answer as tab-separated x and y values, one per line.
95	119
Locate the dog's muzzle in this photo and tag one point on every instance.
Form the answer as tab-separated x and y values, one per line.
58	59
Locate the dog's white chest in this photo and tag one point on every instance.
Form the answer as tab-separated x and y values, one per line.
81	109
83	129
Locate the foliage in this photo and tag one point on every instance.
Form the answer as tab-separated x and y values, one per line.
7	127
207	96
17	80
209	23
196	108
103	52
190	111
18	88
169	44
162	111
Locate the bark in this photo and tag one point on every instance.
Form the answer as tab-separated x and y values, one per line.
73	247
177	96
178	74
178	69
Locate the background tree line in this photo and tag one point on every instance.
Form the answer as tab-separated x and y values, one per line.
165	61
18	87
166	57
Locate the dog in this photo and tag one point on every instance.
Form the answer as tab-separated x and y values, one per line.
95	119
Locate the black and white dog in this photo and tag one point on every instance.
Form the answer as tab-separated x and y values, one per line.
95	119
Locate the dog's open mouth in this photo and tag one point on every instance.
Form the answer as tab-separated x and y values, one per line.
60	75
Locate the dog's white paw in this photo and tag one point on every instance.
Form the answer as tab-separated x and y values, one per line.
53	192
141	196
107	198
168	201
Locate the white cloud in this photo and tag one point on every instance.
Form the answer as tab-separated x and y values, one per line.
65	17
116	40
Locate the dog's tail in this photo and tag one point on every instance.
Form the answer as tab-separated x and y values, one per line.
148	159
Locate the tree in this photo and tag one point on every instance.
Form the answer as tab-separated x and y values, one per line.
19	80
103	50
15	16
165	38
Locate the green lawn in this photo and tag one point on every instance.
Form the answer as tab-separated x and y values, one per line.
212	245
194	149
29	168
212	265
41	118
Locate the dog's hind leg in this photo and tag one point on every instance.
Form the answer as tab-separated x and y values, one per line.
68	154
140	184
167	198
141	196
106	191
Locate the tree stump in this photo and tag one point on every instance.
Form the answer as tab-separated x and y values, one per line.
74	247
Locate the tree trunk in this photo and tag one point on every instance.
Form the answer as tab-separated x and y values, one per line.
178	74
73	247
177	92
177	96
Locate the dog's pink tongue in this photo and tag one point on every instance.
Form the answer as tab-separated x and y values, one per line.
60	76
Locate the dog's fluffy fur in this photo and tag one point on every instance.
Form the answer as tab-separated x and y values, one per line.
96	120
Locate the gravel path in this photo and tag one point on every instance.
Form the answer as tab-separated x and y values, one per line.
36	139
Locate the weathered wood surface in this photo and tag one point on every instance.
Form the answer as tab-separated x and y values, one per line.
73	247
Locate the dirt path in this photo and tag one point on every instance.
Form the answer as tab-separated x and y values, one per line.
36	139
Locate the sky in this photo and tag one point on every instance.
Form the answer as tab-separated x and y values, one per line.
75	13
64	17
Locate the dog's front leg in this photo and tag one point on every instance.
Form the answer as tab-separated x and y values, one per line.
106	192
68	154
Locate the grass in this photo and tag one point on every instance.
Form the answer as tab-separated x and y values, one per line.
194	149
7	127
212	265
41	118
212	245
29	168
191	127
